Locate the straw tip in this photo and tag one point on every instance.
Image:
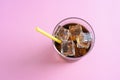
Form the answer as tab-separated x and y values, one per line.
37	28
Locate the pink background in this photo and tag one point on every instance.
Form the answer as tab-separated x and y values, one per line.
28	55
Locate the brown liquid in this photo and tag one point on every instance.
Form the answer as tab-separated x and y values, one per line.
78	51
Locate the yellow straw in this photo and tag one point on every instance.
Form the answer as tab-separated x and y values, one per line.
48	35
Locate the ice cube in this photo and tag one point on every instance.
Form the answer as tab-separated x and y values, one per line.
87	37
80	51
68	48
75	30
83	40
62	33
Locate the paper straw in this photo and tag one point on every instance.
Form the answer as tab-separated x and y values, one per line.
48	35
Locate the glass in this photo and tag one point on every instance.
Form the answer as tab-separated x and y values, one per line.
77	38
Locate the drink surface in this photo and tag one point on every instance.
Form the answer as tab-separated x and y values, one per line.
76	40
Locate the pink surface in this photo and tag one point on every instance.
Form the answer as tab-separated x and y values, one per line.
28	55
